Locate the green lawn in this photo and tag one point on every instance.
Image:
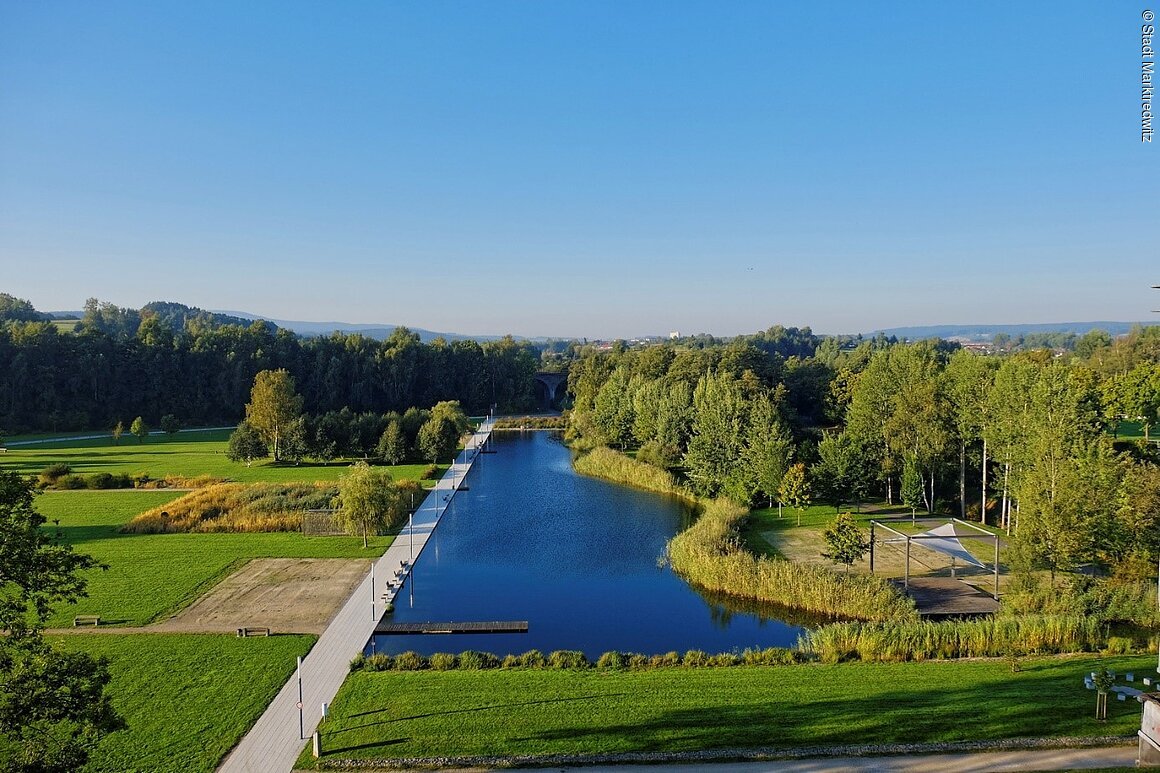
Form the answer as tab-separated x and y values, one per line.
1134	430
188	455
150	576
530	712
187	699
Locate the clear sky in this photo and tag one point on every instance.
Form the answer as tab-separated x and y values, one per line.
596	169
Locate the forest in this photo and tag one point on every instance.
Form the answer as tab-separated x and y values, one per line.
1024	441
168	359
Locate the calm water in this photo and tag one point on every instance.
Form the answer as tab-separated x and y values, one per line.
577	558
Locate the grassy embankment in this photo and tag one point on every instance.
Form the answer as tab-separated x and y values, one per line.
710	554
541	712
186	456
187	699
151	576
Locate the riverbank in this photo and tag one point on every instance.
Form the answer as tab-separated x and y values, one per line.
710	554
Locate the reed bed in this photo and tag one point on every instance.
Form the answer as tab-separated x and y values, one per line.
235	507
602	462
942	640
710	554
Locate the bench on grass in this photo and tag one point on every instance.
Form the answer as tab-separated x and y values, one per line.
244	633
93	620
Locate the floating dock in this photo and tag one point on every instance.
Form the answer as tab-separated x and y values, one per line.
492	626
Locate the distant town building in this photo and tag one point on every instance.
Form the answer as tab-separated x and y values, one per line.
674	335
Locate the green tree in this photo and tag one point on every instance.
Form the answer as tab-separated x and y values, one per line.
118	430
273	407
841	473
139	429
170	425
768	449
368	500
844	541
53	707
437	438
794	489
246	445
719	415
912	493
392	445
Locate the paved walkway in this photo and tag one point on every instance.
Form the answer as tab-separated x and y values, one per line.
971	762
274	742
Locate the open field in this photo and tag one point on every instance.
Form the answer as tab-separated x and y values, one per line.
534	712
187	455
151	576
187	699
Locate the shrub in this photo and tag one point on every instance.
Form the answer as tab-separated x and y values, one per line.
50	474
636	661
567	659
533	659
70	482
409	661
611	660
358	662
1119	645
723	660
104	480
430	472
510	661
471	660
695	659
444	661
378	662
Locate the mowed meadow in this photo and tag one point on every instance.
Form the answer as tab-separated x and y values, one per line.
186	698
187	455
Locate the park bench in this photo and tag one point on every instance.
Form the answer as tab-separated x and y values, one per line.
244	633
93	620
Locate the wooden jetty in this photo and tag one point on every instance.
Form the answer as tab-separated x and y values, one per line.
490	626
943	597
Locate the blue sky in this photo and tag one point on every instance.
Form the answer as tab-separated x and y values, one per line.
587	168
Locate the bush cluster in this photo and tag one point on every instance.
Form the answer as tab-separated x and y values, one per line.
472	660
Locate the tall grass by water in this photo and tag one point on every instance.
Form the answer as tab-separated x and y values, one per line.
710	554
602	462
937	640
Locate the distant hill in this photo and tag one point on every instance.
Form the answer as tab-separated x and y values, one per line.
377	331
986	332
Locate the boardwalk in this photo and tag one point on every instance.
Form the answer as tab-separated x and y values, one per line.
274	742
942	597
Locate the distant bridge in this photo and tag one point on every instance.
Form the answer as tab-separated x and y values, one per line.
552	381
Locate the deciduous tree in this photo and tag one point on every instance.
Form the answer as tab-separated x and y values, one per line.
273	407
368	500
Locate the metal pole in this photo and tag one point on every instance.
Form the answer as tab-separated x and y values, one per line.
997	569
906	577
871	545
411	537
372	590
301	721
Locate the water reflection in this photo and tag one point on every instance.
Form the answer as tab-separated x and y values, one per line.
575	557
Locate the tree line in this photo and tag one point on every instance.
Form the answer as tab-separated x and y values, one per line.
200	372
1024	441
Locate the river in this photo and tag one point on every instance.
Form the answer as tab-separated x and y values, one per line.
580	559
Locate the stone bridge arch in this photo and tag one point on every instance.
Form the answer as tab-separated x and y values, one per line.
555	385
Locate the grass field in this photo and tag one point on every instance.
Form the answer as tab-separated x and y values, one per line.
153	575
187	699
188	455
532	712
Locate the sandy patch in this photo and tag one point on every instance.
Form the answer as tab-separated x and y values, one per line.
286	595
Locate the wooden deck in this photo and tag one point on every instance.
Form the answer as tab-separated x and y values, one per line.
940	597
491	626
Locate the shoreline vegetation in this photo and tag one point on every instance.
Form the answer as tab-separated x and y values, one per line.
710	554
872	620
